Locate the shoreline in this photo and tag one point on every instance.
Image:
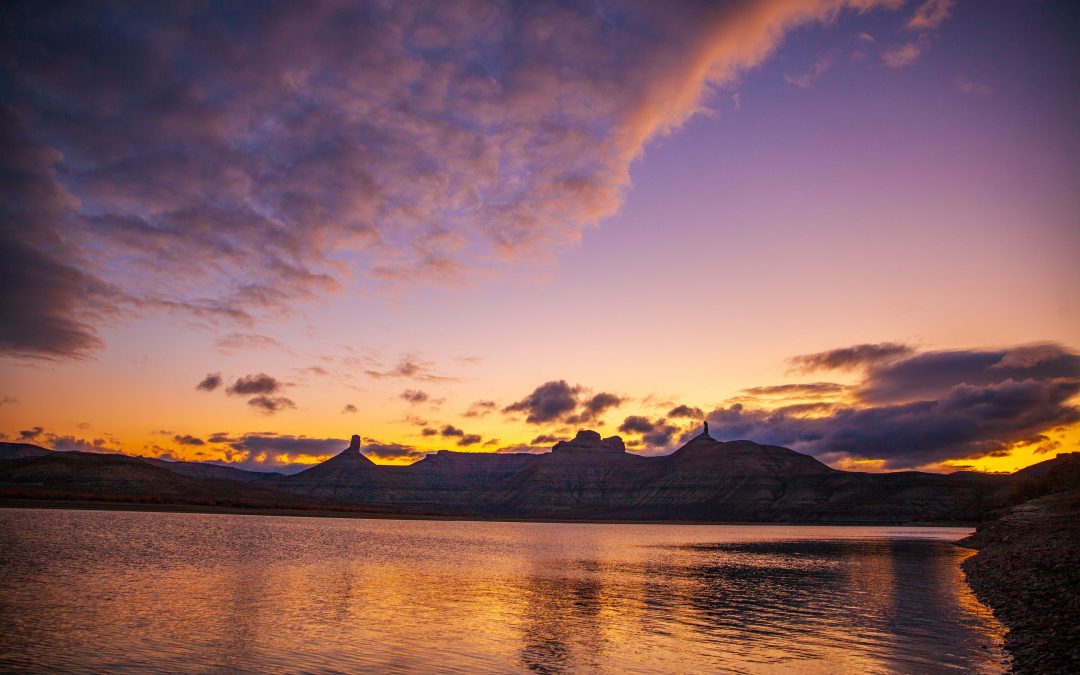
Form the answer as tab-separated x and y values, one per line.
81	505
1027	571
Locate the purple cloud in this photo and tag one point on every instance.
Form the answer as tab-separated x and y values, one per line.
235	160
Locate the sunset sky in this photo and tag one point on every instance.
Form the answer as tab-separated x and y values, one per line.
244	231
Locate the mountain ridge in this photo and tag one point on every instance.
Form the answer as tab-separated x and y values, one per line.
585	478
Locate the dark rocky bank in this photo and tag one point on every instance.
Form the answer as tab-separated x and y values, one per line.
1027	570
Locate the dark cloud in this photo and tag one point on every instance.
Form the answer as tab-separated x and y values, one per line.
636	424
594	407
414	396
270	405
254	384
30	434
349	408
274	452
808	389
469	439
188	439
376	449
932	374
661	435
429	432
449	431
969	421
209	383
849	358
549	402
262	140
545	438
480	408
220	437
686	412
654	433
74	444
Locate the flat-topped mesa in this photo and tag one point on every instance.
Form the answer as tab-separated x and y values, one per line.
589	442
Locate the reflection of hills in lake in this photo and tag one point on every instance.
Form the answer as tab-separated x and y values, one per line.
291	594
589	477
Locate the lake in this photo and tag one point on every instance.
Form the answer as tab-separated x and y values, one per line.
93	591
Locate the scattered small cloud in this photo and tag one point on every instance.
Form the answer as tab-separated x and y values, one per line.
906	54
549	402
271	405
8	400
545	438
254	384
973	87
414	396
188	439
413	369
480	409
688	412
469	439
349	408
805	79
209	383
245	342
450	430
30	434
636	424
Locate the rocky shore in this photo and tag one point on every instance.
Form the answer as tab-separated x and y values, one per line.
1028	571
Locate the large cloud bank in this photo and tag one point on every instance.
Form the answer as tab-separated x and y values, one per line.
223	161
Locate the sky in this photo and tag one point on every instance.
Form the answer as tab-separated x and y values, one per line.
244	231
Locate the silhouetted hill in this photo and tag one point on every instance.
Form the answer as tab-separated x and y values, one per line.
705	480
192	469
118	477
84	477
21	450
586	478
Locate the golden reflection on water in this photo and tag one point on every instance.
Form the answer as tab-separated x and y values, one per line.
96	591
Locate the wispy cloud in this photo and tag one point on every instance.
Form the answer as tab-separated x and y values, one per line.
808	77
930	14
904	54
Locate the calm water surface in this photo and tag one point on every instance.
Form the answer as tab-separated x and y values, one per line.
93	591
